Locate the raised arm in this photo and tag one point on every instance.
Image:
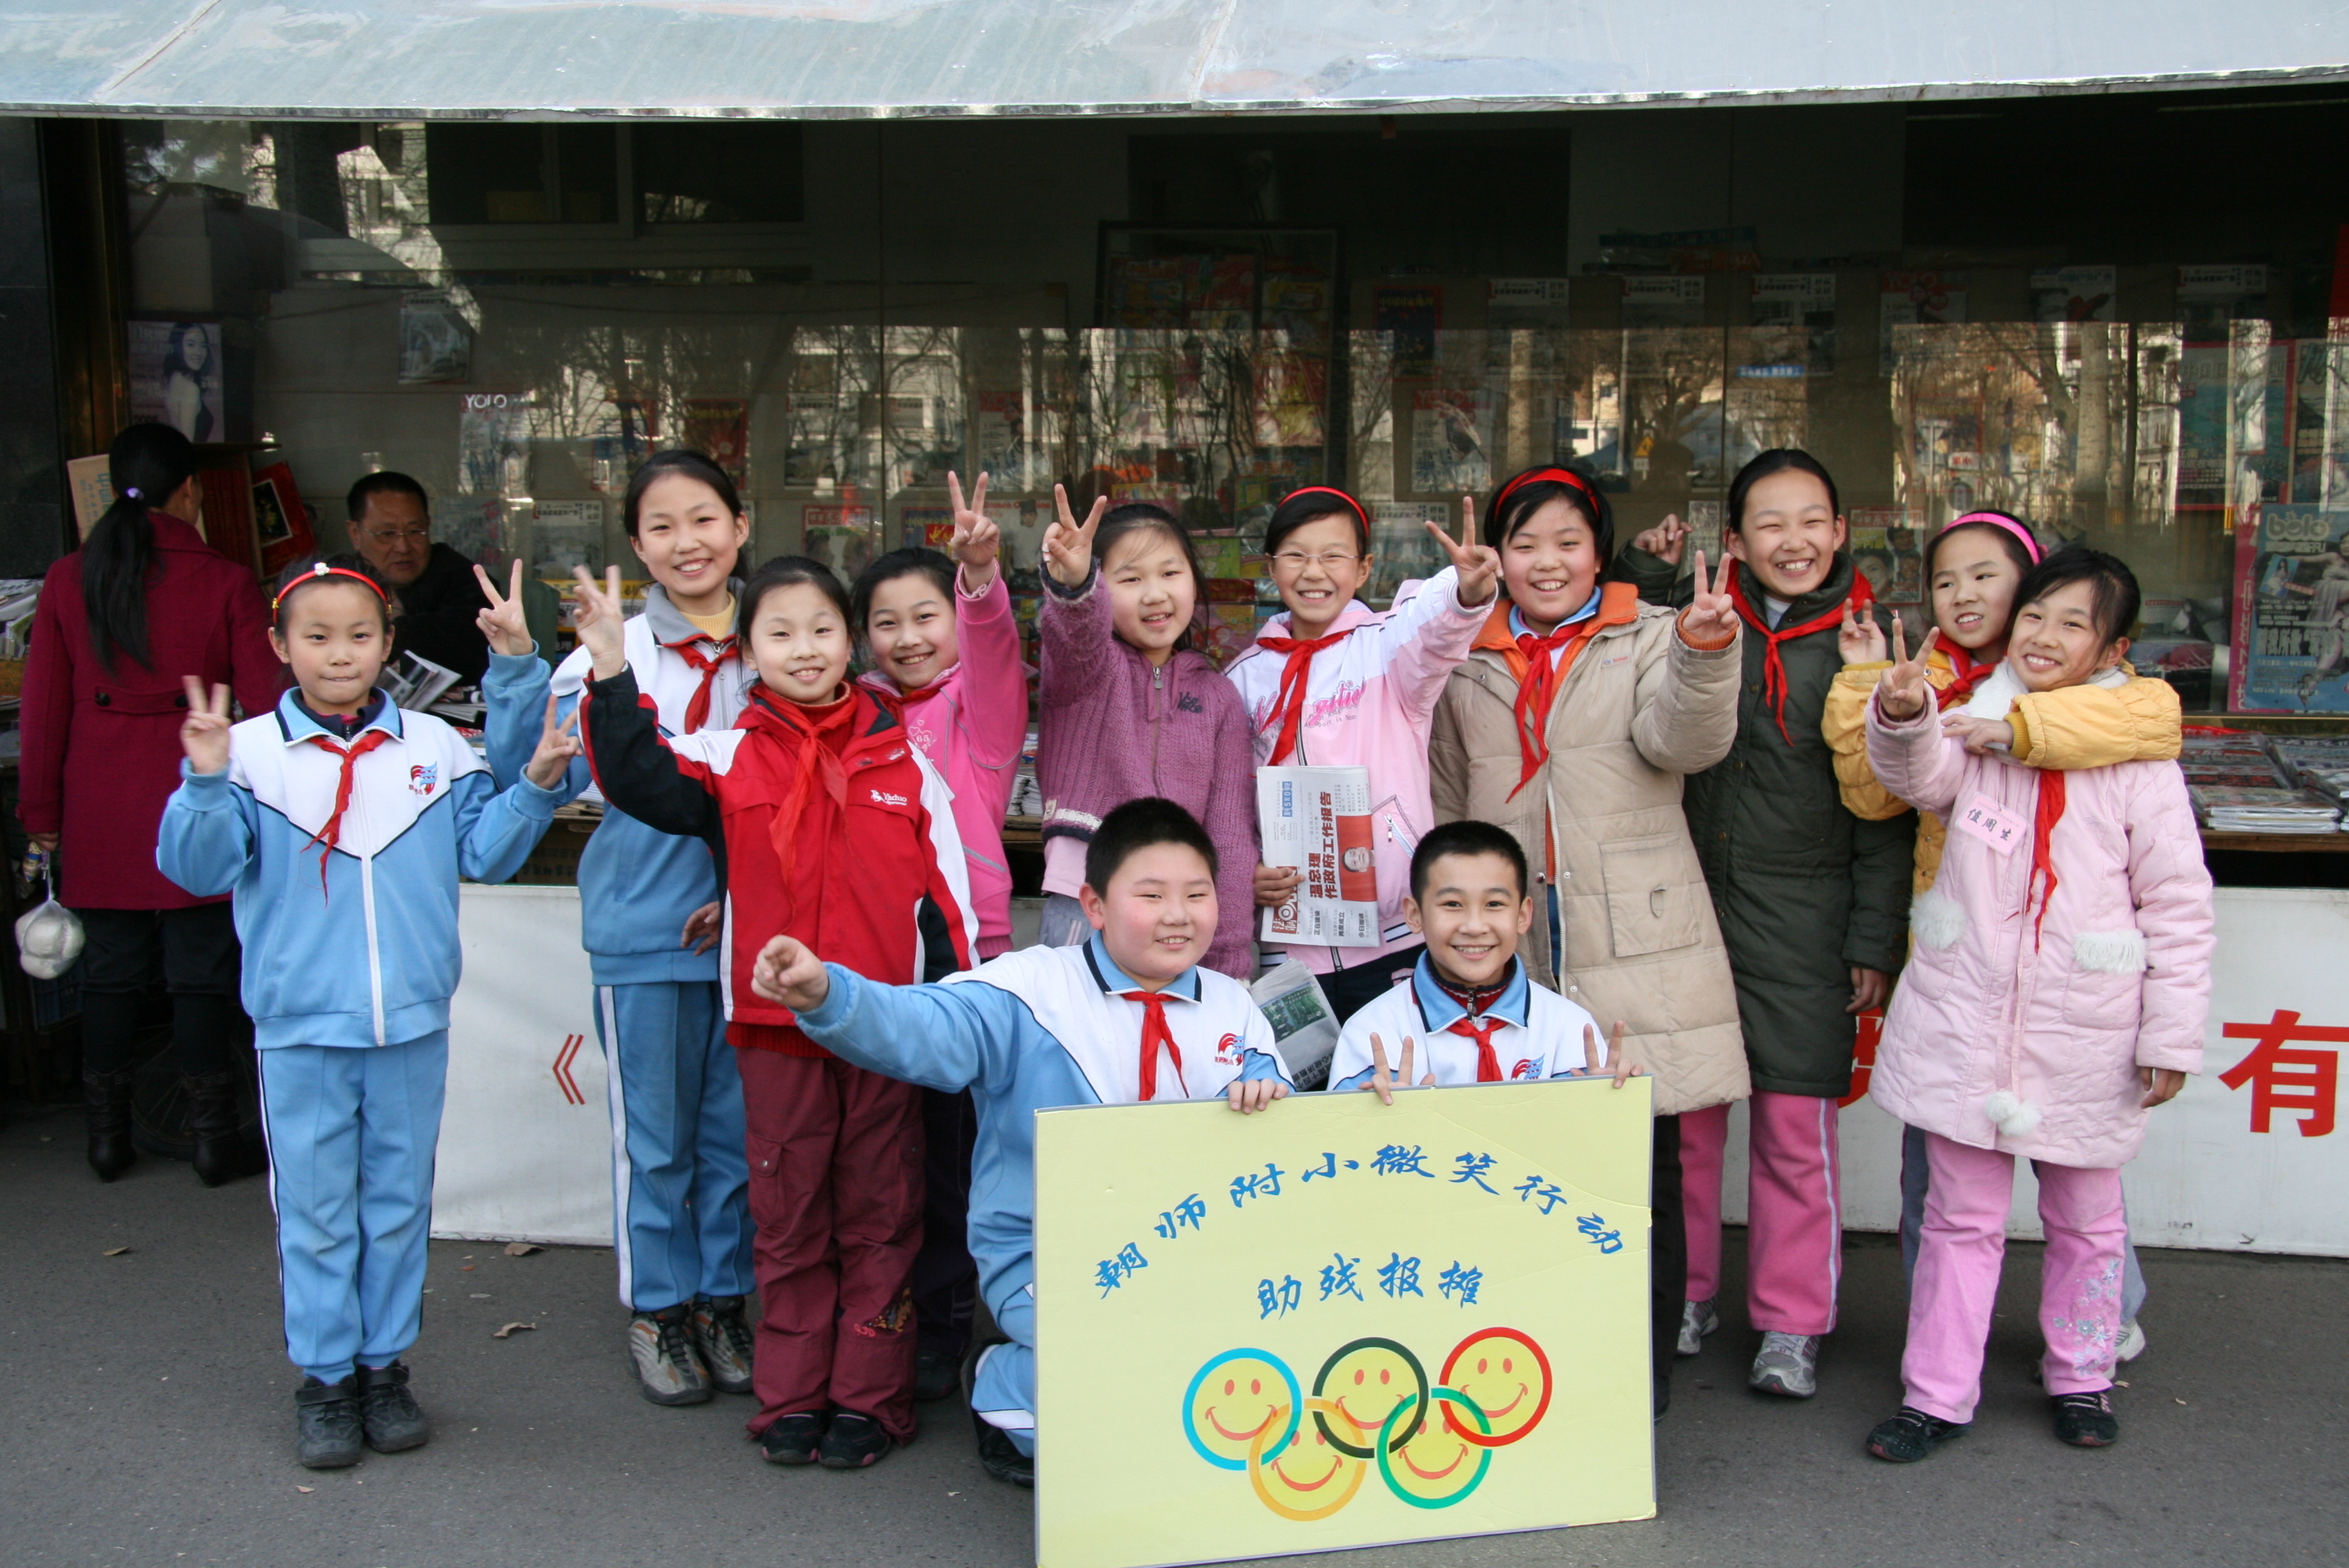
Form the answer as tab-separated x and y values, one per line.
946	1038
514	699
1687	717
1845	725
995	678
639	771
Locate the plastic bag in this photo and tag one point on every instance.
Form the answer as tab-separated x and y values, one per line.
50	937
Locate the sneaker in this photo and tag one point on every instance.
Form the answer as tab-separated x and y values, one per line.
1788	1365
327	1432
389	1411
936	1374
2087	1420
1697	1320
2132	1341
721	1335
1001	1457
1912	1435
792	1440
853	1442
661	1344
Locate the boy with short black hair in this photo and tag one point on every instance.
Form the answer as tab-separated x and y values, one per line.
1129	1015
1469	1010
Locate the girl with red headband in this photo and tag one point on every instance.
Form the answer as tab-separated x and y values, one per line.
1972	567
341	825
1812	900
681	1218
1570	726
1334	683
2058	992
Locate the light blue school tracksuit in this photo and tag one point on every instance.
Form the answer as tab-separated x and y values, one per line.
1031	1031
350	958
680	1172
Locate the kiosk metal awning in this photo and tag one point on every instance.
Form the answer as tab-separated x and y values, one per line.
554	59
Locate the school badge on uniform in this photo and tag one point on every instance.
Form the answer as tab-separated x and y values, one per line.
424	778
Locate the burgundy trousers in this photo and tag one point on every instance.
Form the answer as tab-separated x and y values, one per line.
836	1197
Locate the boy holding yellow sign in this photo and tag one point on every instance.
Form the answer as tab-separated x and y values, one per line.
1126	1018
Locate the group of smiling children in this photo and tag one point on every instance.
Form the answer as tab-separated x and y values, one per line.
1602	790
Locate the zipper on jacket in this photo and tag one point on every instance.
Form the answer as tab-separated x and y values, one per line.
1158	714
367	904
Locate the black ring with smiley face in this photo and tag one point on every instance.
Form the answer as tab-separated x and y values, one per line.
1408	1431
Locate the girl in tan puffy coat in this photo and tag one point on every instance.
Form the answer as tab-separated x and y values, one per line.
1570	725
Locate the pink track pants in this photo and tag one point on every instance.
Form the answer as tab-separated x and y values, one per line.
1794	1238
1958	1258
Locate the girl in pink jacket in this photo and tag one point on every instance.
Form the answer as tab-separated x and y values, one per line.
2056	994
946	652
1335	683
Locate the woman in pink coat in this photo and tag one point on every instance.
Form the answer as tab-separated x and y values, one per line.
2056	994
945	651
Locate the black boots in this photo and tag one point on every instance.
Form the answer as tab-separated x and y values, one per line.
221	1151
107	1099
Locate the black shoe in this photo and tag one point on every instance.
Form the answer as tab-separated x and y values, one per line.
721	1336
216	1128
106	1097
1001	1457
936	1374
2087	1420
853	1442
389	1411
327	1433
1664	1396
1912	1435
792	1440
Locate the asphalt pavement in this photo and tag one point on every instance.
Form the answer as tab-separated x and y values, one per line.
146	1417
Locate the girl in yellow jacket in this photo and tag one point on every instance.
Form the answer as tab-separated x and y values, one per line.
1972	567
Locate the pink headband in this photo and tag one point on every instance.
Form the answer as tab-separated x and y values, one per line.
1997	520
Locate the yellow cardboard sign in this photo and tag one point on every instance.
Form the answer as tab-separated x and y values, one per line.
1340	1323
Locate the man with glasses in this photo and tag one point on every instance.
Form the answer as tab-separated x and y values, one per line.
434	596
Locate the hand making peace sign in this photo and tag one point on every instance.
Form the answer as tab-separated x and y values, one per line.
1903	692
1712	615
203	734
557	744
1479	565
1069	546
1616	1064
596	616
503	623
1859	639
1385	1076
977	539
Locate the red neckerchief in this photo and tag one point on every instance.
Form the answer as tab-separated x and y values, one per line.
697	710
2042	828
1539	676
1966	672
1861	599
1288	704
1156	1035
331	834
1475	1025
818	734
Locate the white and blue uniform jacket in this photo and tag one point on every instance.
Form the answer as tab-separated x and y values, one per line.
637	885
1541	1036
1035	1030
364	952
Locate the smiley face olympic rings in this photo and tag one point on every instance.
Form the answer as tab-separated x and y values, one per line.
1243	1373
1510	1418
1366	1357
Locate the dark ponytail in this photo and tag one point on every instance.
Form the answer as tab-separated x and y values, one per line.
147	464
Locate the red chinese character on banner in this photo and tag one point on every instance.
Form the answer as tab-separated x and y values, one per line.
2303	1083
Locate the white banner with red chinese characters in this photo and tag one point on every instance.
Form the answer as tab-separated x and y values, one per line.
2251	1157
525	1150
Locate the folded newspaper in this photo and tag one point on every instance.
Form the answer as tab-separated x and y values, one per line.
1303	1027
1317	821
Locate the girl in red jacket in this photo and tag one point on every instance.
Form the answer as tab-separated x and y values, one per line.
828	823
143	604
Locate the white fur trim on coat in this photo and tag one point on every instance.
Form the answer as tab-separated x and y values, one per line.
2110	952
2014	1118
1937	919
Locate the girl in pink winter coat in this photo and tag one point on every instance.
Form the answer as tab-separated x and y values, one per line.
1335	683
2056	994
946	652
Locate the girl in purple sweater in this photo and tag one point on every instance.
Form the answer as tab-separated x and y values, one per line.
1130	708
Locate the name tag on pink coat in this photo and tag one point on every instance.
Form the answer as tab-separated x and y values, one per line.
1992	824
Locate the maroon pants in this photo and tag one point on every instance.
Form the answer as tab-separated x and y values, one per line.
836	1195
